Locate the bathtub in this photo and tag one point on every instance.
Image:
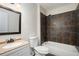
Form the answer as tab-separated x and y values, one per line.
60	49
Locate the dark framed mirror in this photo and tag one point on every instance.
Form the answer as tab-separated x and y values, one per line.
10	21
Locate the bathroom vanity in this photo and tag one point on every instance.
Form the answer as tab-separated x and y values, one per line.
10	23
16	48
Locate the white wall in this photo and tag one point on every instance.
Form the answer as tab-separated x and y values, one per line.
29	19
38	23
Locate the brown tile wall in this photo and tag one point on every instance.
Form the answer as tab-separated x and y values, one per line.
43	27
63	28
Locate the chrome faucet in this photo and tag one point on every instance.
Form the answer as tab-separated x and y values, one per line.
11	40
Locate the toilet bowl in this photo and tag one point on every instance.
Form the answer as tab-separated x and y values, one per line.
41	51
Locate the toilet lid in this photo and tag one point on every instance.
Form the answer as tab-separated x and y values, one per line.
42	49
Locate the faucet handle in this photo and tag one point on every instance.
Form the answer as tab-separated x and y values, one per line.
11	40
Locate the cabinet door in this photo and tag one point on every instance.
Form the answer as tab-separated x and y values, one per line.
21	51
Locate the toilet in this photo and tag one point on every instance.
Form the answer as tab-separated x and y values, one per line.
38	50
41	51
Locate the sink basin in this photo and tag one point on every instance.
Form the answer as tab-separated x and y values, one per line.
11	45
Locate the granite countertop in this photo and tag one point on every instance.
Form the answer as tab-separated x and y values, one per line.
20	42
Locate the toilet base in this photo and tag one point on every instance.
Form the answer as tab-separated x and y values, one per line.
39	54
39	51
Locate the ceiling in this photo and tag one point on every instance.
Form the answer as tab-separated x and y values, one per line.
50	6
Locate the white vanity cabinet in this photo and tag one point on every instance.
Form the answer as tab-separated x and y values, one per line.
19	51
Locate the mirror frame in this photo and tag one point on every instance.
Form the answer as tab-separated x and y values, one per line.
9	9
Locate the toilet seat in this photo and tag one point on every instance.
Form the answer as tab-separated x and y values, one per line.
42	49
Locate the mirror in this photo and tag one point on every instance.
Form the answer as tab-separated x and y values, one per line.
10	21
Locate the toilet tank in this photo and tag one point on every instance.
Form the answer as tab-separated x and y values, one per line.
33	41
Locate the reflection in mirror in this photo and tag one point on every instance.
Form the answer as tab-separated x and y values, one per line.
10	21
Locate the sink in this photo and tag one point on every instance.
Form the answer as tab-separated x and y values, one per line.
11	45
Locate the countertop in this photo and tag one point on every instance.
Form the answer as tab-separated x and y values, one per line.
4	50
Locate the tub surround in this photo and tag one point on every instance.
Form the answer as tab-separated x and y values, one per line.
63	28
43	28
4	49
